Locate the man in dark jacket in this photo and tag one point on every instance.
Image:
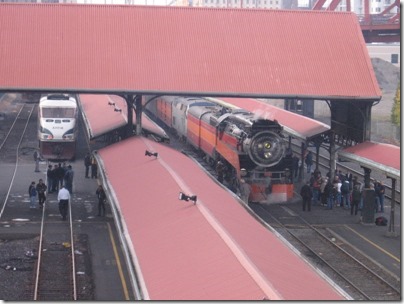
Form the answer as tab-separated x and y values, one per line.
41	189
87	164
307	195
101	200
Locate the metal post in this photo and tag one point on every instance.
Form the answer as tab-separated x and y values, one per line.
139	109
333	160
368	208
391	231
301	169
129	103
366	176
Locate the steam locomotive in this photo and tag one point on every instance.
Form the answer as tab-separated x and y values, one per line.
246	146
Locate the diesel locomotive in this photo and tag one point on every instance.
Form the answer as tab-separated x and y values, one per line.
57	127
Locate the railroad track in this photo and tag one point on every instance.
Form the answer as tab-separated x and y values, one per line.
55	276
10	145
355	273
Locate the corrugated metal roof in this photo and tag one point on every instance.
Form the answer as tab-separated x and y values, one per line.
177	50
213	250
296	125
100	116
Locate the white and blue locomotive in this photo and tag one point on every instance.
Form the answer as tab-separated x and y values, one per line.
57	127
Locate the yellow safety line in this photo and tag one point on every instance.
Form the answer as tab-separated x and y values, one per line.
377	246
125	289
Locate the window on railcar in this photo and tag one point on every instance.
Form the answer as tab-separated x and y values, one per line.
58	112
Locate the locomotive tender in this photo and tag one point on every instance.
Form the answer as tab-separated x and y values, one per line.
57	127
249	147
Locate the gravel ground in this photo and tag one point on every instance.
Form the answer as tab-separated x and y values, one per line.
17	266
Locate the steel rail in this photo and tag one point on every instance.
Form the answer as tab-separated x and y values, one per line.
326	239
38	265
17	153
41	250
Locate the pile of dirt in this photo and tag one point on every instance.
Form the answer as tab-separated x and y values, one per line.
387	75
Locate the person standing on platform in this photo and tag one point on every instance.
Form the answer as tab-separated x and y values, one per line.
346	199
307	195
381	195
309	161
337	191
295	162
59	175
356	198
316	189
63	198
41	189
87	164
68	178
376	186
37	159
245	190
49	178
101	200
323	198
32	195
328	193
220	171
94	168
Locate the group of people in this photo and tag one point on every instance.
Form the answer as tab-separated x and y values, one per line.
35	190
60	180
90	162
59	175
344	190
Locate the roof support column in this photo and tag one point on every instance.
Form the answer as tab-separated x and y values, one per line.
134	102
303	149
138	110
129	125
392	231
333	159
369	196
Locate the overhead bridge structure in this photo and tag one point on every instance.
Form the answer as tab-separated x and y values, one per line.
384	26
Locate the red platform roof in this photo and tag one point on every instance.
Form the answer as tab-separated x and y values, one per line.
178	51
213	250
296	125
100	116
382	157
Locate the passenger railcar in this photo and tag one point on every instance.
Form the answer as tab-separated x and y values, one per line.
247	146
57	127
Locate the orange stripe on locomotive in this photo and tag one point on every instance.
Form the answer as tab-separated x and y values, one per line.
164	111
203	136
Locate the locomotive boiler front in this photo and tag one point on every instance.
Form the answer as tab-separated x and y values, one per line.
265	146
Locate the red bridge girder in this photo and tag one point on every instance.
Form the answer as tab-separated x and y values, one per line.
383	27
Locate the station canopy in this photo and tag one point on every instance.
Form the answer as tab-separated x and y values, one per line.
107	49
376	156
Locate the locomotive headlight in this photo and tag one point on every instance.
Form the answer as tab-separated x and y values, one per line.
265	148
